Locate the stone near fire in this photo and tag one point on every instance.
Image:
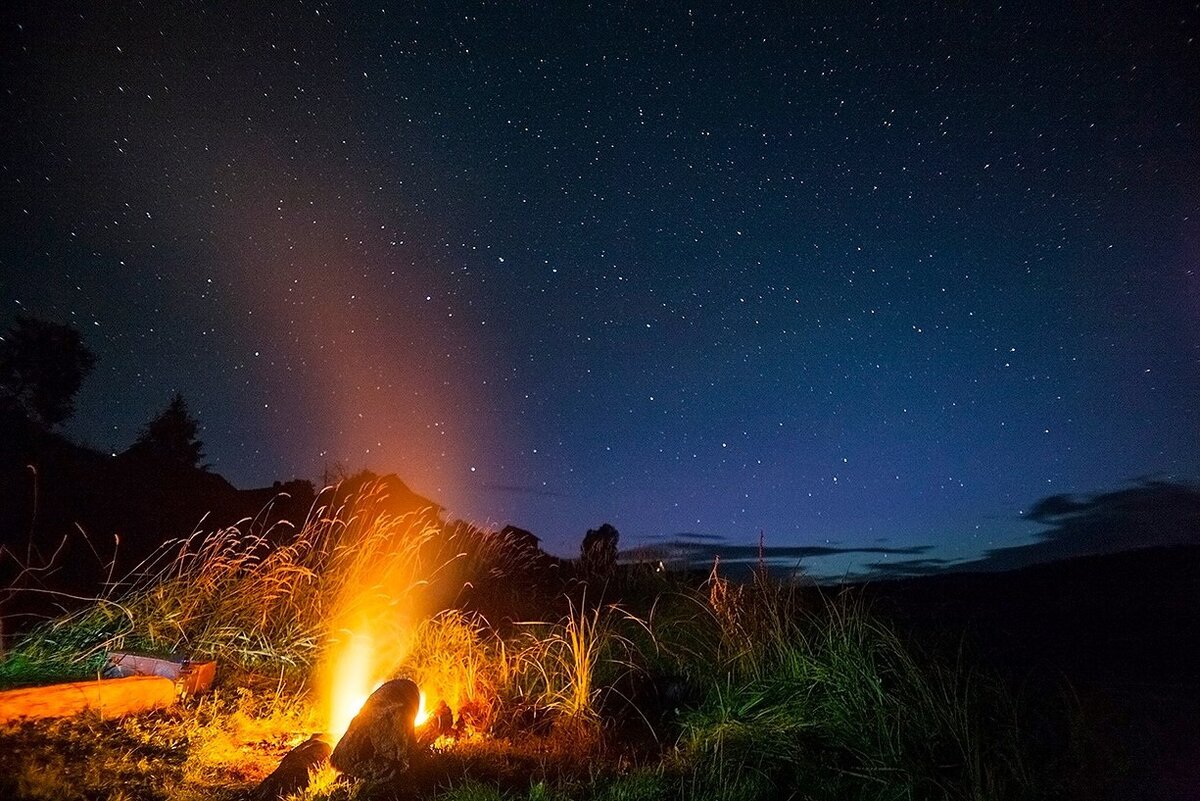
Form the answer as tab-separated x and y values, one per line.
380	741
294	770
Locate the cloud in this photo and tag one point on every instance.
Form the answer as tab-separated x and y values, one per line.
695	535
909	568
1152	513
690	550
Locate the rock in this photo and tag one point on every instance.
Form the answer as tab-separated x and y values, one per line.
380	741
292	775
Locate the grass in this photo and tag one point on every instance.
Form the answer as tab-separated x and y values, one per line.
751	690
829	701
457	658
563	667
205	751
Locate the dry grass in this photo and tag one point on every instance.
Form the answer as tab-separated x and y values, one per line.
205	751
456	657
266	600
565	667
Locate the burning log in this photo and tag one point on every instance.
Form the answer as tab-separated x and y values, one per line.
294	770
381	738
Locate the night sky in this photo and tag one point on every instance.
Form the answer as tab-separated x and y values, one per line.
877	276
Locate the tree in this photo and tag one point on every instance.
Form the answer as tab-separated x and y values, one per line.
42	366
598	554
171	436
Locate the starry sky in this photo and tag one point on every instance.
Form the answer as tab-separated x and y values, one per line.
852	275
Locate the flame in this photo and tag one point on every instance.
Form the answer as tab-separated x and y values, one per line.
353	686
422	712
394	574
347	702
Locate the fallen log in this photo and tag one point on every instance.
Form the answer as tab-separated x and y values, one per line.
294	770
192	678
108	697
381	739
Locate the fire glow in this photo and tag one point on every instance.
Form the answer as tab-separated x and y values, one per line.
352	686
395	573
348	699
357	665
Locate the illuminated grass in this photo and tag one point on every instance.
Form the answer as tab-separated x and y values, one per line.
560	666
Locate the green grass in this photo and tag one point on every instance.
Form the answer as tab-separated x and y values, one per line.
478	791
71	649
830	702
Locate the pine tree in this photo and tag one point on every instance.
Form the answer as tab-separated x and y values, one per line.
172	436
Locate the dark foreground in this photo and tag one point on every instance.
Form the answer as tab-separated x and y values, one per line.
1118	636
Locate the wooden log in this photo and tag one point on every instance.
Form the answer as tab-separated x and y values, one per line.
381	739
108	697
193	678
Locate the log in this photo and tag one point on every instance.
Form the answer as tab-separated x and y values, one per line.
108	697
380	740
193	678
294	770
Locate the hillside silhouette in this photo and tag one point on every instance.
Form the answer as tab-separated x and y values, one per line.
73	519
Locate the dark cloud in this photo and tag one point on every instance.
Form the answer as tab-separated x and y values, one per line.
685	552
689	535
908	568
1152	513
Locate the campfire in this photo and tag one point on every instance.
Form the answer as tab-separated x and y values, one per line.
386	732
398	676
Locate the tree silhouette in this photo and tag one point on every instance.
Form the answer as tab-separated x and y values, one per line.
171	436
598	553
42	366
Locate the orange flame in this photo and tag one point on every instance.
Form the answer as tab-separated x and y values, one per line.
422	712
394	573
352	687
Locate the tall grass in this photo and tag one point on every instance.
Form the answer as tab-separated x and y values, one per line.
830	700
456	657
271	600
565	666
789	693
